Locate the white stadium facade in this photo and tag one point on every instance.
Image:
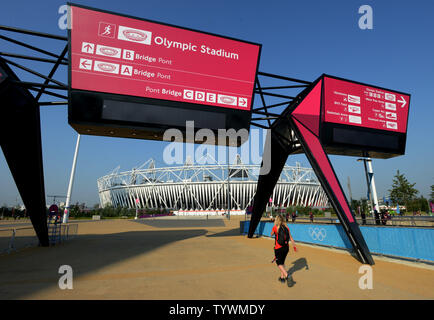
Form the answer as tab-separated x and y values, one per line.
192	189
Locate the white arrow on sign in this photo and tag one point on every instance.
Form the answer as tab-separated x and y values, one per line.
242	102
85	64
403	102
87	47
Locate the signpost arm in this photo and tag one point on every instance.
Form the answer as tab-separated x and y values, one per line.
373	188
330	183
228	195
369	186
71	182
20	140
266	182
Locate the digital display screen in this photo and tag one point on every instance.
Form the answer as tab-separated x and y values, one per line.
121	55
354	104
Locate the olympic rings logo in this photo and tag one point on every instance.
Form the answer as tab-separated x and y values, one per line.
317	233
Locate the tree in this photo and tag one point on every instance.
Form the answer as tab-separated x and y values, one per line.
364	205
418	204
355	204
74	211
402	191
423	204
432	193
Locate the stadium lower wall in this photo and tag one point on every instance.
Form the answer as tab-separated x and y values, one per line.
407	243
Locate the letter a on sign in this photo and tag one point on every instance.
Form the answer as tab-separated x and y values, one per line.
127	70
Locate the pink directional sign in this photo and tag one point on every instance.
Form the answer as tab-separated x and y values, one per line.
355	119
121	55
361	105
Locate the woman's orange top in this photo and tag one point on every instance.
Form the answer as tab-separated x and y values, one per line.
274	231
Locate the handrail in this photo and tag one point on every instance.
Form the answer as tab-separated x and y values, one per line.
61	232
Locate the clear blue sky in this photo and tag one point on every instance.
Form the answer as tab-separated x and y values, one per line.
301	39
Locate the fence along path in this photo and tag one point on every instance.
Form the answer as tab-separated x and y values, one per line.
17	238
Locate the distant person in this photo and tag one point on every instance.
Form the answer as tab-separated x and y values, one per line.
398	211
294	216
287	216
388	217
311	216
383	217
377	217
281	245
363	214
249	209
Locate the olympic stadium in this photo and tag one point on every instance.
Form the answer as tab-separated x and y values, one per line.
193	188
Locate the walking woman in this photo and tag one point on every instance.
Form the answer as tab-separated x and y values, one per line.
281	247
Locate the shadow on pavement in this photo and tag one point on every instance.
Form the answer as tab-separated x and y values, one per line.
183	223
228	233
30	271
297	265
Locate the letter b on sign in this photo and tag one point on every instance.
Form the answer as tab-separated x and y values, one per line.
367	20
366	281
128	54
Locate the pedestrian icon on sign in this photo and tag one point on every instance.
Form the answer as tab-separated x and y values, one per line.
106	30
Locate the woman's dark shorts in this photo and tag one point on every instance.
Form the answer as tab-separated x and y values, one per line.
281	254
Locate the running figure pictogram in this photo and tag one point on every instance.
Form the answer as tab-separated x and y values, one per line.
107	31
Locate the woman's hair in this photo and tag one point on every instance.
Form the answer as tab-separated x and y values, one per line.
279	220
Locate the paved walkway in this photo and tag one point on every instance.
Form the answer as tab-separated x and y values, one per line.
123	259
